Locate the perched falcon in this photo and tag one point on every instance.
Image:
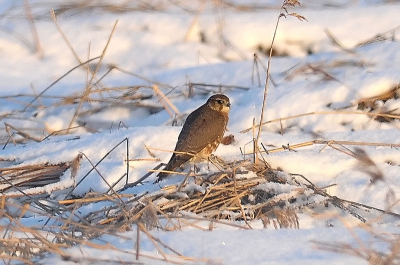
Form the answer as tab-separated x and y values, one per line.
201	134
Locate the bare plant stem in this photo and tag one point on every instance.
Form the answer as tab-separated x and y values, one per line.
283	11
89	87
266	88
35	35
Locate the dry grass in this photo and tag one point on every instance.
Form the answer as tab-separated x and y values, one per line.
385	247
14	178
375	112
286	4
229	197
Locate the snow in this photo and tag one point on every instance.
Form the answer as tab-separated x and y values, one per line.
303	105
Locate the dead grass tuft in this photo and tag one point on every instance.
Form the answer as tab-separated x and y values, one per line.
240	195
14	178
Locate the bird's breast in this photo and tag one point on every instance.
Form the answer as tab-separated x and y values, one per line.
205	153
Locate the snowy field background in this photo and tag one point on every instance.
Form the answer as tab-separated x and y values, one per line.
335	87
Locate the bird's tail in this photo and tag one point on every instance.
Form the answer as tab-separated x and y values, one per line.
175	162
161	176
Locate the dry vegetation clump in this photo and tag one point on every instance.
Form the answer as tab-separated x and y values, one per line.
372	254
240	195
22	177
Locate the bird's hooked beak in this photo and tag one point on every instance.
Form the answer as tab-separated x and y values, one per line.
226	107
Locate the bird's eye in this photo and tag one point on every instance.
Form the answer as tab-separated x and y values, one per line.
220	101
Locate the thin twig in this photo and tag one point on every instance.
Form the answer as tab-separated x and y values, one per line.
33	27
89	86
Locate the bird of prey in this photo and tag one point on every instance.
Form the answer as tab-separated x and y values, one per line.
201	134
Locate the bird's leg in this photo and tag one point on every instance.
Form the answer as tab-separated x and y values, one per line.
217	162
211	159
184	181
196	169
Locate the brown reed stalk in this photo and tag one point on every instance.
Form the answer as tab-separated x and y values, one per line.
167	104
89	85
56	81
333	112
35	35
283	12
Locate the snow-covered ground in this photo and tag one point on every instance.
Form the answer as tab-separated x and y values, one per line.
317	94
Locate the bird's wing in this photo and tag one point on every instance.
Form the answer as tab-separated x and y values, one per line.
201	127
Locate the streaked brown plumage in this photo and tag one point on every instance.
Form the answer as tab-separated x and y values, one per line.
201	133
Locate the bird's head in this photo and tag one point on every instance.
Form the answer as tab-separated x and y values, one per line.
219	102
